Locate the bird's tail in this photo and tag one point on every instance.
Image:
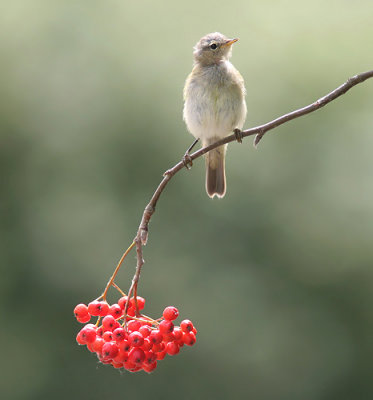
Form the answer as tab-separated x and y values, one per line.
215	172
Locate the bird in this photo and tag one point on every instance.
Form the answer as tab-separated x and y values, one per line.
214	103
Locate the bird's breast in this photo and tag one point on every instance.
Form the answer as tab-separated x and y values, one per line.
214	103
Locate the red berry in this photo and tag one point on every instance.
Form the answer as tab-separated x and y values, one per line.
145	330
131	312
150	368
129	366
136	356
119	334
189	338
80	339
140	302
98	308
169	337
121	357
170	313
157	348
97	344
80	309
178	333
166	327
150	357
156	337
81	313
133	325
88	333
115	311
117	365
186	325
109	350
161	355
108	336
124	346
147	345
122	302
172	348
136	339
90	347
104	361
84	319
109	323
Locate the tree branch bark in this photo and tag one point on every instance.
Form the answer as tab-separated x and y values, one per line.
142	233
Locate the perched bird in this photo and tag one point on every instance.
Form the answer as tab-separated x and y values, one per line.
214	103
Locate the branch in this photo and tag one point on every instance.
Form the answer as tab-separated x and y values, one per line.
142	233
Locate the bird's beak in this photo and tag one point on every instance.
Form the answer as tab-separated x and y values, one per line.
229	42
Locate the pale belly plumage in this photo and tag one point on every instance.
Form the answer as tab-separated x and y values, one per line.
214	104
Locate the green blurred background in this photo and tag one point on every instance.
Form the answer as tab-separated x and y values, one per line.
277	276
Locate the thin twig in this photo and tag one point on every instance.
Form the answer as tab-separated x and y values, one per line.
114	285
142	233
111	280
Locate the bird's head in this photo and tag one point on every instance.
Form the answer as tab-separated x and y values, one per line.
213	48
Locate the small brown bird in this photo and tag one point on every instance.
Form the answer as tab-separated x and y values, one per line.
214	103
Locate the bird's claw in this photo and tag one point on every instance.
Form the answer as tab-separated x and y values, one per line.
187	161
238	133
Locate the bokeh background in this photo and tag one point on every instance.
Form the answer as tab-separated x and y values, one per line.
277	276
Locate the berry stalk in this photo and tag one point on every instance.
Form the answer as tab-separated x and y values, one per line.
111	280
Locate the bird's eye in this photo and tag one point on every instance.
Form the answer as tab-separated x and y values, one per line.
213	46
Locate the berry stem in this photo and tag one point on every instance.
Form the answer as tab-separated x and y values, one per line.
140	262
148	318
111	280
141	318
118	288
135	298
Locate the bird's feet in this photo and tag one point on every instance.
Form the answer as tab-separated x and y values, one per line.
238	133
187	160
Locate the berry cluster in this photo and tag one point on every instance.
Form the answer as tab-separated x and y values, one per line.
132	342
